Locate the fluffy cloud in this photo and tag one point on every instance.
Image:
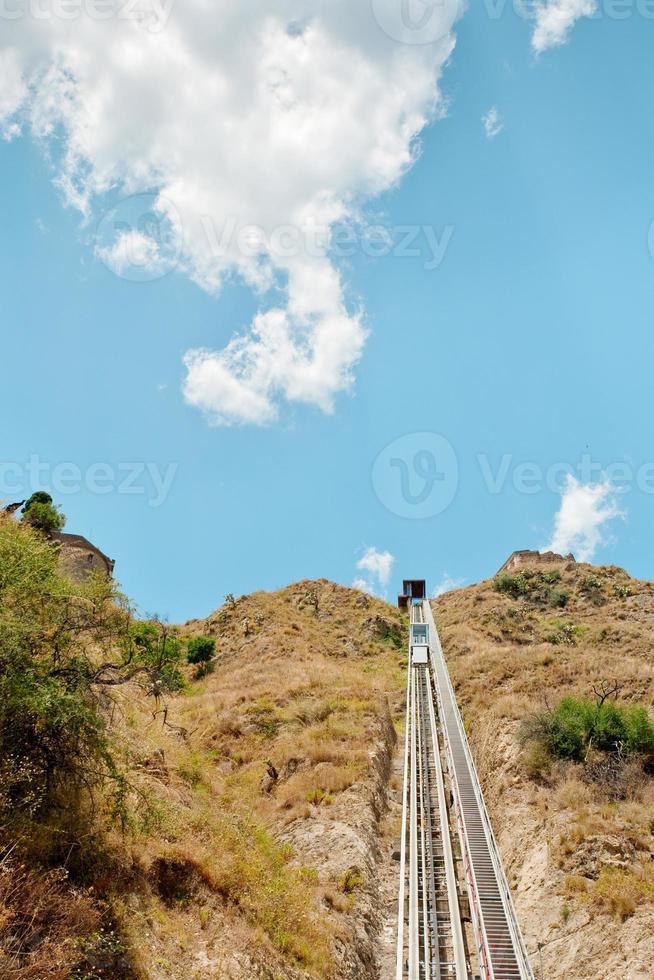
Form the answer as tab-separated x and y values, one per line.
447	584
555	19
492	123
579	525
260	126
377	566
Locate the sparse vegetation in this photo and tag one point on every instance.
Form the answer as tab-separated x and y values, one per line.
621	891
560	632
536	587
350	880
512	585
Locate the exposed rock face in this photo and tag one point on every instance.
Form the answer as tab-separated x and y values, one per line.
601	851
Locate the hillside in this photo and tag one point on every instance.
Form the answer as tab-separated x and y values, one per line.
239	828
272	870
577	836
236	817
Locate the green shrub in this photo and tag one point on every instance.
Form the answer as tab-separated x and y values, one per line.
576	724
591	588
557	599
513	585
563	634
200	649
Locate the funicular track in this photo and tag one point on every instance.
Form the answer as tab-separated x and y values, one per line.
448	852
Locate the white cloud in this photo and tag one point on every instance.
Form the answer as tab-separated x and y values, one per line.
378	566
493	125
447	584
133	249
579	525
291	114
555	19
13	91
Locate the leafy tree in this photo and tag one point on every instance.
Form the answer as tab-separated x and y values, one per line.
64	646
41	513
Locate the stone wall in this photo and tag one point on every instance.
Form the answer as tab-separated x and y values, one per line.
521	559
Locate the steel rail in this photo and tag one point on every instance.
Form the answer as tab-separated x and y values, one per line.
424	879
501	951
458	945
401	904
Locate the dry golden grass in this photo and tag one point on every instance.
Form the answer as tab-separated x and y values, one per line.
281	729
41	920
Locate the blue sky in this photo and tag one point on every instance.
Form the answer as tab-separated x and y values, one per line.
529	343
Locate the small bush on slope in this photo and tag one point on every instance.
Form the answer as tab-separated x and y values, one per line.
576	724
200	649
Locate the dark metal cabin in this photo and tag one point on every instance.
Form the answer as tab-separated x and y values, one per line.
413	590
